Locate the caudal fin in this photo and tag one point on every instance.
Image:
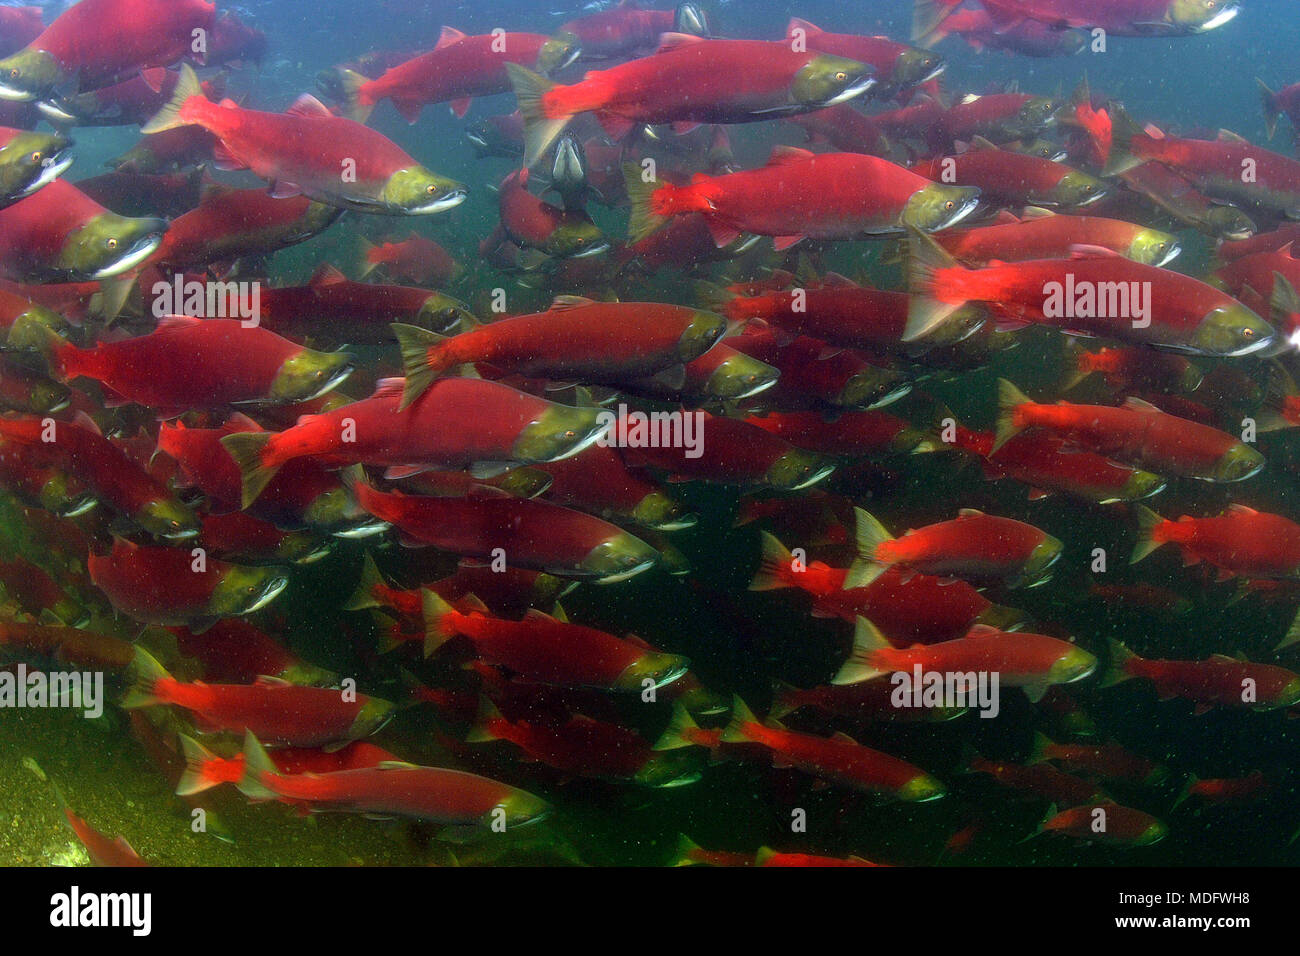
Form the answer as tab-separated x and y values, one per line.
436	629
1268	100
169	117
198	759
540	130
1148	521
422	359
741	717
142	674
926	312
928	15
678	732
870	534
861	665
249	450
257	767
1010	398
644	221
1117	668
774	566
356	104
364	596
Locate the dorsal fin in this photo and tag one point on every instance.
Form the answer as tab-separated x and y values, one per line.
562	302
325	277
781	155
1138	405
308	107
671	41
388	387
448	36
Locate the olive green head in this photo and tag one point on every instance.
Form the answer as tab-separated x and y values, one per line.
740	376
798	469
560	431
1237	464
1232	330
442	313
242	590
518	809
108	245
1035	114
31	160
1154	833
373	715
826	80
416	191
872	388
914	66
1038	568
1077	188
937	206
700	336
60	496
1153	247
1142	484
308	375
558	52
618	558
652	669
672	768
577	237
43	396
1288	696
656	510
28	330
921	788
167	518
1197	16
29	75
1075	664
1230	223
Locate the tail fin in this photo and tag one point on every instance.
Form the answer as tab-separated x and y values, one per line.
870	535
248	449
867	640
714	297
685	848
1117	667
926	313
1009	399
734	732
169	117
677	734
197	757
928	15
356	105
142	673
1192	780
436	633
784	700
771	573
1123	129
1148	520
540	130
364	596
481	732
1292	634
643	221
257	764
422	360
1271	112
365	263
1038	752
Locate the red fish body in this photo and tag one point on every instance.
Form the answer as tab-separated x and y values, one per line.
1219	681
283	713
1243	542
531	534
799	195
95	43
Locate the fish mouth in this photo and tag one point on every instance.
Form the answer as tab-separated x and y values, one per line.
1218	20
1095	197
961	213
1175	249
15	94
139	251
269	592
55	113
597	249
57	165
447	201
625	574
856	88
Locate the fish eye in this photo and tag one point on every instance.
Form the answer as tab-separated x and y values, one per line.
950	205
431	189
111	243
14	73
570	434
841	76
37	157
